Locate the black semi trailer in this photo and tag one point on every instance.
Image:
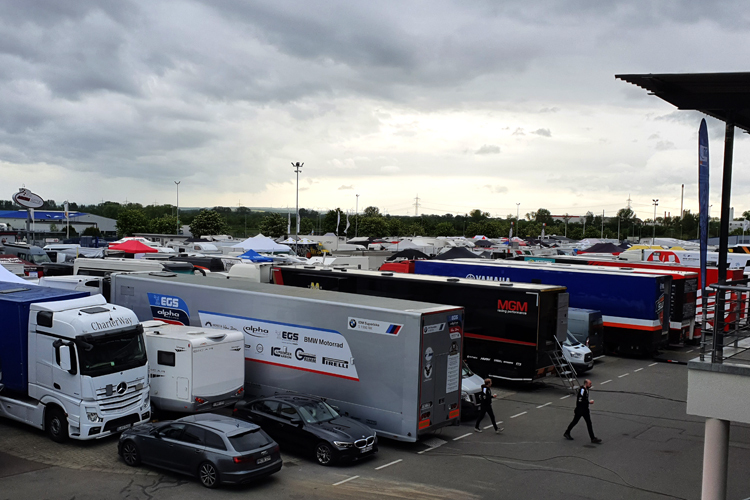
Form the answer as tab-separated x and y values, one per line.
509	328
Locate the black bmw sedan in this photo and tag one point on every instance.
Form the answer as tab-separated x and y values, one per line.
215	448
312	425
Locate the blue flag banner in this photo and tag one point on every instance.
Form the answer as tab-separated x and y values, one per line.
703	204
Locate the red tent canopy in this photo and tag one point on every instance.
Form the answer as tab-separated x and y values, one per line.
133	246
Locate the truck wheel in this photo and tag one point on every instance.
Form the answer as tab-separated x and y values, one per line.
208	475
57	425
130	454
324	453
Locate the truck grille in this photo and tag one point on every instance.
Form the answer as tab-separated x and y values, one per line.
587	357
361	443
118	403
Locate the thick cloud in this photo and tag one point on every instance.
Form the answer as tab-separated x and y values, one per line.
116	100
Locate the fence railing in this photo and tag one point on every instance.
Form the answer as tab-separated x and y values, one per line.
727	322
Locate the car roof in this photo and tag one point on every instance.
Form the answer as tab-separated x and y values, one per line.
226	425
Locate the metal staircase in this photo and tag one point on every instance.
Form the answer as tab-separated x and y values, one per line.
564	369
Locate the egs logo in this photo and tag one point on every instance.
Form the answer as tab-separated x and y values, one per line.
169	302
289	336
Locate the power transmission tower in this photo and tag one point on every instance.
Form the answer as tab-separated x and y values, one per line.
416	205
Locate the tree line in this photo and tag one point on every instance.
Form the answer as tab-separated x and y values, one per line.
243	222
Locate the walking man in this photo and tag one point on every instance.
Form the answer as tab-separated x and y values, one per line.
582	411
485	401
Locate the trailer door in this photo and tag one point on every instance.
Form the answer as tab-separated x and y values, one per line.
440	394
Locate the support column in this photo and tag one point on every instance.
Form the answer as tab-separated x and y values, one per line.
715	458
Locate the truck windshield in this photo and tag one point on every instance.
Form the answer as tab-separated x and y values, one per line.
39	259
113	353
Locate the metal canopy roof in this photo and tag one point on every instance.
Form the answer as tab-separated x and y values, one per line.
724	96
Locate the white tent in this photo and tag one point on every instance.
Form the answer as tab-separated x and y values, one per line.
9	277
261	243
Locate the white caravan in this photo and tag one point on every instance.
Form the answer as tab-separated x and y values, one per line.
194	369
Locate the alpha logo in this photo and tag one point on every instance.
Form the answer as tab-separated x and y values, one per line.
301	355
255	331
279	353
512	307
168	308
288	337
352	323
338	363
486	278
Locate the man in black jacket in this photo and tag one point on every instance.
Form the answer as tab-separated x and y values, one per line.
485	400
582	411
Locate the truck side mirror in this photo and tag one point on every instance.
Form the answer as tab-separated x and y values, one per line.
65	361
65	356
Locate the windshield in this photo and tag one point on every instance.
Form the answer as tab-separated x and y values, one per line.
466	371
39	259
101	356
571	340
317	411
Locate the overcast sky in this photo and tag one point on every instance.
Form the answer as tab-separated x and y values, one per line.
464	104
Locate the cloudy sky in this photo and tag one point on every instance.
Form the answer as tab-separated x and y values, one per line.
481	104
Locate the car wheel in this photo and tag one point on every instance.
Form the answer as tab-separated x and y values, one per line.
57	425
130	454
324	454
208	475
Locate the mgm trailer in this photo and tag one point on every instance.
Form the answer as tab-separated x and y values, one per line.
510	328
394	365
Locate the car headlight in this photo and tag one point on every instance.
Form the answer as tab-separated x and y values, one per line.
576	354
343	444
93	416
465	396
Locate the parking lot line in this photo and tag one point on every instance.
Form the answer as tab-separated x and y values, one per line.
345	480
519	414
653	364
565	397
425	451
388	465
496	423
606	382
637	370
461	437
545	404
623	375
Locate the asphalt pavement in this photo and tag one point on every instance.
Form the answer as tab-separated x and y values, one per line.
651	450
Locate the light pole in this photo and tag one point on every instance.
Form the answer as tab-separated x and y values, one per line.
177	183
356	217
518	208
297	169
653	238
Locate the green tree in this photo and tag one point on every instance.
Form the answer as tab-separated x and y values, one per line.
91	231
166	224
208	222
371	212
415	229
274	225
375	227
132	221
543	216
306	226
396	227
477	215
445	229
53	228
329	222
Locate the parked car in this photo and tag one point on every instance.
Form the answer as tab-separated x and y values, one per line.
577	354
216	448
312	425
471	386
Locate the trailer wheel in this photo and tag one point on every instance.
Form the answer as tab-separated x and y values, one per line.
56	425
208	475
324	454
130	454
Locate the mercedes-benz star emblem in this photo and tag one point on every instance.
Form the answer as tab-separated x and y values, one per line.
122	387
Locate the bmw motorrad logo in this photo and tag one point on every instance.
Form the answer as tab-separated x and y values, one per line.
121	388
352	323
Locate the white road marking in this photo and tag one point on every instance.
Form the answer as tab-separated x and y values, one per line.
496	423
345	480
519	414
623	375
424	451
565	397
653	364
606	382
545	404
637	370
388	465
461	437
688	352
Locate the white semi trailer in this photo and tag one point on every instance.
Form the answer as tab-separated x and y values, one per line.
70	364
394	365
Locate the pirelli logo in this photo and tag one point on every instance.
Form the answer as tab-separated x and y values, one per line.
512	307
